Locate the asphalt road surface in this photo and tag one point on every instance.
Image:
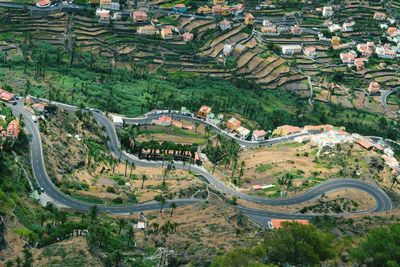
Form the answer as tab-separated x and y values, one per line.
383	202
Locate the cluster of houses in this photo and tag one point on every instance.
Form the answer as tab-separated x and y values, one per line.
12	130
106	12
286	130
309	51
233	125
345	27
166	32
268	28
168	121
205	113
329	136
352	58
387	153
365	50
220	8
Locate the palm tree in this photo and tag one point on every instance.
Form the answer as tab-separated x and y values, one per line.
114	162
144	178
173	206
93	213
394	181
241	171
131	236
165	173
43	218
168	228
121	224
161	200
207	130
133	166
126	167
196	125
154	226
28	259
117	257
18	261
234	167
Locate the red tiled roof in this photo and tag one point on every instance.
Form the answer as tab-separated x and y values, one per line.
38	106
165	119
277	223
13	129
366	143
205	109
5	95
290	129
325	127
259	133
233	123
43	3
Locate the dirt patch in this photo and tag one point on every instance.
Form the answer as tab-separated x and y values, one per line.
71	252
263	165
189	134
202	230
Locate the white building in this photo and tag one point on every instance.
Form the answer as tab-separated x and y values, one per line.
117	120
225	25
334	28
267	23
310	51
327	11
348	26
228	48
242	132
115	6
385	52
258	135
291	49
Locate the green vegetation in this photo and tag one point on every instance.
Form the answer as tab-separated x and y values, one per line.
302	245
380	247
293	244
264	167
95	84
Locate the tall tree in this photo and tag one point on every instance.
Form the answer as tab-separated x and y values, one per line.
173	206
93	213
144	178
380	247
160	199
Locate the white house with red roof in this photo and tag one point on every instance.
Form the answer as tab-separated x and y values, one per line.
139	16
374	87
348	58
6	96
225	25
385	52
258	135
187	37
13	129
43	3
310	51
167	32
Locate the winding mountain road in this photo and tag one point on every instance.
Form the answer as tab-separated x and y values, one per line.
383	202
384	97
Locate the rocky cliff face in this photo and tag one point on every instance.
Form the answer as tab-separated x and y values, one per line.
2	230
